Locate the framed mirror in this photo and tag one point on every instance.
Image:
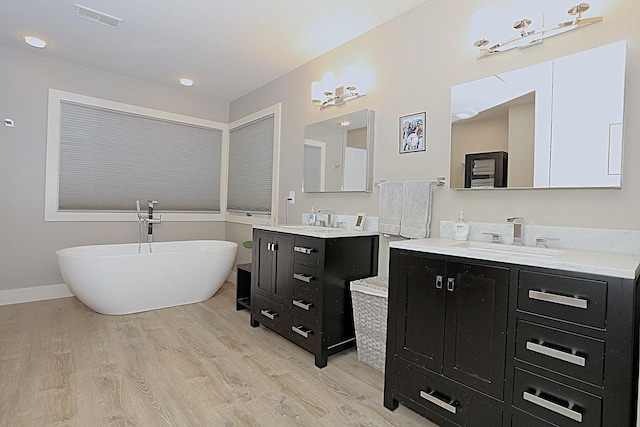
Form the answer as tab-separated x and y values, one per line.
552	125
338	154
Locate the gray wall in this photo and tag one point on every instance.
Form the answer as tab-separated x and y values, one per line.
27	243
414	60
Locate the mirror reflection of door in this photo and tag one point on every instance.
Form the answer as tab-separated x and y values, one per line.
355	160
314	165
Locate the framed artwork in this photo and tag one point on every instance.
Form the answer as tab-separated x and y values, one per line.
413	133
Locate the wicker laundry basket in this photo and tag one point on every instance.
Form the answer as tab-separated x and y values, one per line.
370	297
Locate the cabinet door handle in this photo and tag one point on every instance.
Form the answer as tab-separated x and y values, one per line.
556	354
303	277
552	406
558	299
268	313
302	304
444	405
301	330
269	246
438	282
303	250
451	284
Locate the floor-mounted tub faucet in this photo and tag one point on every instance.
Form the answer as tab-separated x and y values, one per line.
148	220
518	229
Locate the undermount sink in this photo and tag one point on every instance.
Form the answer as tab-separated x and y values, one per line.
508	249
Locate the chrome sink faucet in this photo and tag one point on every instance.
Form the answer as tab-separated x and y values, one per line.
324	217
518	229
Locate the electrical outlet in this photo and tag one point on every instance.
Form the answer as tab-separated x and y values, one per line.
292	198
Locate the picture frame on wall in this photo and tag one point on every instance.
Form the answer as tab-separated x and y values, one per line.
413	133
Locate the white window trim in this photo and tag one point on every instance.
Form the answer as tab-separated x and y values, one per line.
258	219
51	206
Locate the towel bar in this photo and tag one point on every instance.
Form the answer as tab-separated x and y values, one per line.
439	181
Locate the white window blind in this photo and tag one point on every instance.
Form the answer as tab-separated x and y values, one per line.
251	166
111	158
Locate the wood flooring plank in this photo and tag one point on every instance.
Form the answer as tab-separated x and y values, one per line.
61	364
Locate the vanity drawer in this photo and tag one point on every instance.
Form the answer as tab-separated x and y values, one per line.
555	402
304	332
527	420
305	277
567	353
303	302
271	314
429	395
306	250
572	299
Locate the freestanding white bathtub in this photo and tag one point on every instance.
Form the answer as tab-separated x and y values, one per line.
116	279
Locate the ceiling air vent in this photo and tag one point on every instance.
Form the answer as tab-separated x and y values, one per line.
99	17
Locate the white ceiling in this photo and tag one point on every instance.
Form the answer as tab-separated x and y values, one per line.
229	47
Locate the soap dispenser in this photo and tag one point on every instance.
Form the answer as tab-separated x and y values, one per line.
460	228
312	216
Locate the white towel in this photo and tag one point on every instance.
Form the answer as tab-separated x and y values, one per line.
415	221
390	208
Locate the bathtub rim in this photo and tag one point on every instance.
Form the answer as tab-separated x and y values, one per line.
77	251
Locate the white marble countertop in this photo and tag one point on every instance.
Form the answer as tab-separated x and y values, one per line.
602	263
313	231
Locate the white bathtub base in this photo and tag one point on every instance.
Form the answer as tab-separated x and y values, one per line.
115	279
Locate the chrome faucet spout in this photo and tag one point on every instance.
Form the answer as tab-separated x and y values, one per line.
518	229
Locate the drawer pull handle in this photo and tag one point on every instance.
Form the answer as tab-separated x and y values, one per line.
268	313
301	330
302	304
439	282
303	277
556	354
554	407
558	299
303	250
431	398
451	284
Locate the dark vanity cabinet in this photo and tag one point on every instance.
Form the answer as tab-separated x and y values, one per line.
301	288
446	336
483	343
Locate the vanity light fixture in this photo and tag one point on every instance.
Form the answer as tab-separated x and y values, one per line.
35	42
328	94
533	37
186	82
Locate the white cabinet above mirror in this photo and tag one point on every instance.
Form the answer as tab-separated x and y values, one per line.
338	154
560	122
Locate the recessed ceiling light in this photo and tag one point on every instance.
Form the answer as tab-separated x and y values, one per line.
35	42
186	82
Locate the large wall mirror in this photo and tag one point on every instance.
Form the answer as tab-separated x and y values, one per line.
552	125
338	154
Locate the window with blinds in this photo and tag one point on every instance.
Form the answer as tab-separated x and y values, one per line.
109	159
251	148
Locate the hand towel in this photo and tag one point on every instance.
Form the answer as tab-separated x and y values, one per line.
415	221
390	208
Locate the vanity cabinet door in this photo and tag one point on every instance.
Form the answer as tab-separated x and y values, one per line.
420	307
475	326
272	264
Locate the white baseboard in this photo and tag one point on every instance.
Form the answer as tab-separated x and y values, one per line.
35	293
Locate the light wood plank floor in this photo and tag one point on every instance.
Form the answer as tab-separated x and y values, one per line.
61	364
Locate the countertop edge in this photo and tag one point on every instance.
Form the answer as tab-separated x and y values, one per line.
599	263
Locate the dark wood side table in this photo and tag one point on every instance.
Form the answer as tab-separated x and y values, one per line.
243	286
